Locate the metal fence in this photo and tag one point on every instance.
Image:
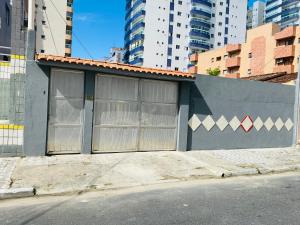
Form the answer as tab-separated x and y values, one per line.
12	82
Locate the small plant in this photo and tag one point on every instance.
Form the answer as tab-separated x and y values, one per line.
213	72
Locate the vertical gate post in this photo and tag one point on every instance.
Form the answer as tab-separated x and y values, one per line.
296	108
183	116
89	92
36	103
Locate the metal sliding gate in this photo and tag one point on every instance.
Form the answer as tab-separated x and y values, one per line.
65	112
132	114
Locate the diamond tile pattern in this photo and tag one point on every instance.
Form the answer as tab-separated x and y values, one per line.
247	123
208	123
222	123
235	123
289	124
269	124
258	123
279	124
194	122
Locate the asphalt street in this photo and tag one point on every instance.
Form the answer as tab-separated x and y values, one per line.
269	200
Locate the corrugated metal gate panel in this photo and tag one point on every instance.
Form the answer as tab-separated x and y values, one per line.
158	115
65	112
134	114
116	114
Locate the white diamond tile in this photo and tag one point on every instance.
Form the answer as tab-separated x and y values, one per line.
258	123
235	123
269	124
247	123
194	122
222	123
289	124
279	124
208	123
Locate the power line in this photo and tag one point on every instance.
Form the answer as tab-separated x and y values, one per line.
82	45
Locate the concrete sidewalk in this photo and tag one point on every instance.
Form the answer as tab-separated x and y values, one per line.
76	173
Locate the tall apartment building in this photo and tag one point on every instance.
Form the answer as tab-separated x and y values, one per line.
283	12
256	14
268	49
54	20
116	55
5	29
163	33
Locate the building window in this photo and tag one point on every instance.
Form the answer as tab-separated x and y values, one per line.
212	60
250	55
212	15
44	22
220	13
249	71
44	7
219	58
219	34
176	57
177	46
219	44
179	13
169	63
42	51
176	68
178	24
179	2
43	36
178	35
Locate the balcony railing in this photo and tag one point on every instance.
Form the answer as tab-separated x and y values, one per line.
204	2
200	13
233	62
137	49
198	45
199	33
284	69
284	51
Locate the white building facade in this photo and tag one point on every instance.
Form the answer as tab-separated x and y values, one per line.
54	22
256	14
283	12
162	33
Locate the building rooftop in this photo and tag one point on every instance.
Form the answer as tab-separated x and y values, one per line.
118	66
274	77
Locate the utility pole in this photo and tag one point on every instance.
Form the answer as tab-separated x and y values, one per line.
297	107
31	14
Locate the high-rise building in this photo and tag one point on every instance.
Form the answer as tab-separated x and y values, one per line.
256	14
283	12
54	20
5	29
116	55
163	33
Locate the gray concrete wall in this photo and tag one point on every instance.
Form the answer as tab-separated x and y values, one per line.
219	97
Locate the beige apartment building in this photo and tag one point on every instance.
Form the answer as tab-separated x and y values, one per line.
54	21
267	50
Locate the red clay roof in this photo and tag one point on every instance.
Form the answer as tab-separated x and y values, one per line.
274	77
119	66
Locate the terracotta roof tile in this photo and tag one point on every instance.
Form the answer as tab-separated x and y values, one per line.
119	66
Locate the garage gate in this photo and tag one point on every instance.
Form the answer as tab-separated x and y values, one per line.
130	114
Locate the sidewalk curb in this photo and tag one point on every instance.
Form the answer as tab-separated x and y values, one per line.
16	193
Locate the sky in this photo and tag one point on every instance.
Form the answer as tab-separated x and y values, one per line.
98	25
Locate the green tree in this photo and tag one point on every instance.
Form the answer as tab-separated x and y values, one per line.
213	72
